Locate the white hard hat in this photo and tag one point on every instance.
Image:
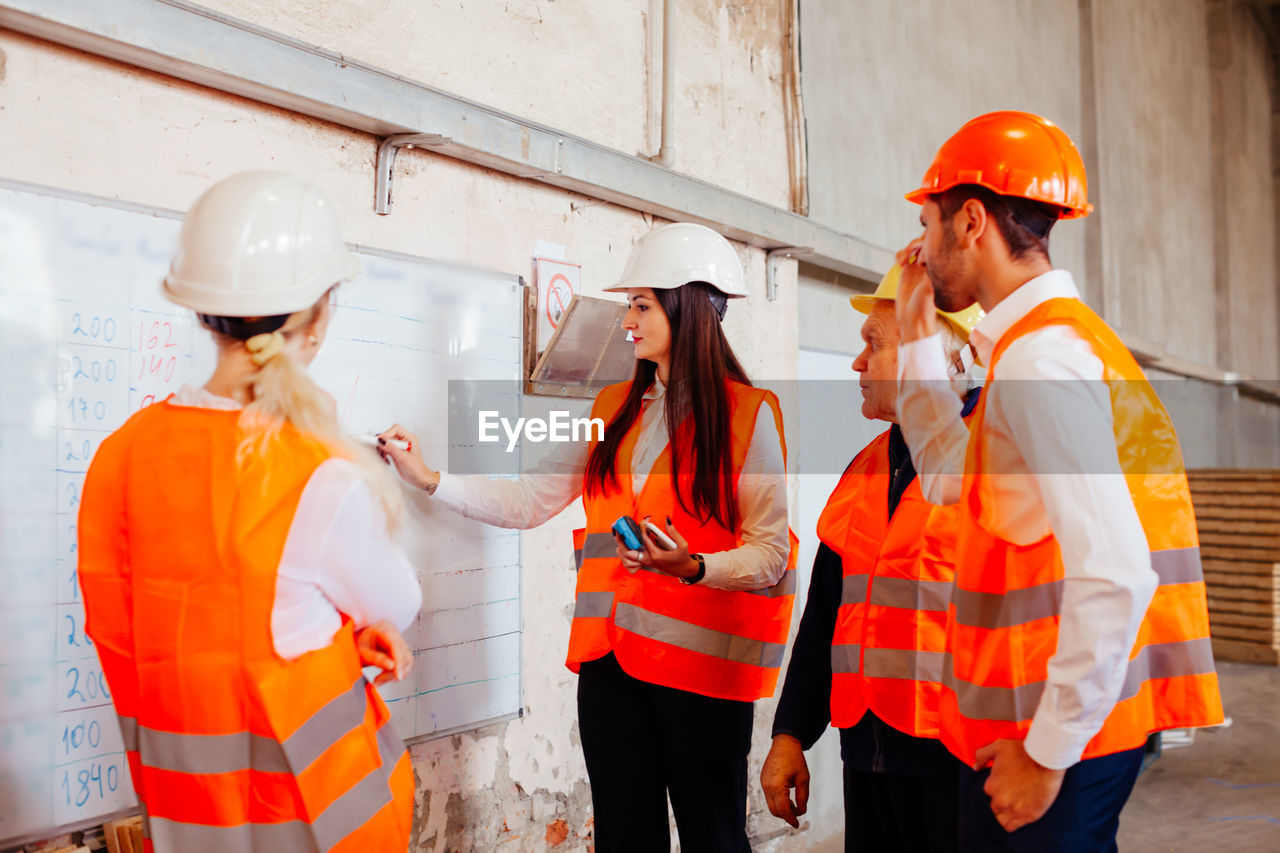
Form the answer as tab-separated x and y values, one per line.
258	244
674	255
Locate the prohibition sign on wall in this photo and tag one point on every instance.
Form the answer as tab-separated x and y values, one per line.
559	292
558	281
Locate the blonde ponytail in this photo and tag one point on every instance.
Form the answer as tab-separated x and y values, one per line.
283	393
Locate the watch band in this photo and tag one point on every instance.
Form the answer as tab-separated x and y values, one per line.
702	571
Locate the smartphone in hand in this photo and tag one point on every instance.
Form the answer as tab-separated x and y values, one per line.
627	528
660	536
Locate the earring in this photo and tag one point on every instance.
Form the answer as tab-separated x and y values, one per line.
312	340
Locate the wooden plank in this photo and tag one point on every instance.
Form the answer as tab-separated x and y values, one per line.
1228	605
1224	552
1265	619
1238	527
1242	632
1233	473
1231	499
1228	595
1224	649
1242	539
1270	568
1214	582
109	833
1233	632
1212	512
1258	485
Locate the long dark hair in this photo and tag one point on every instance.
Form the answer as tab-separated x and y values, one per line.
701	361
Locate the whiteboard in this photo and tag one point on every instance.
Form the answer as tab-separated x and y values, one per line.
86	339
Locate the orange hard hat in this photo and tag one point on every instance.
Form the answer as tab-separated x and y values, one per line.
1011	153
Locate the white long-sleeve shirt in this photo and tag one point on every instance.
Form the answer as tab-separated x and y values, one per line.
1051	448
338	556
556	481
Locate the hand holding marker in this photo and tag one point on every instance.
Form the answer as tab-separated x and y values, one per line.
375	442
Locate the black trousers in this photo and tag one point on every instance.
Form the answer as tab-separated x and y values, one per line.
644	743
1083	819
888	813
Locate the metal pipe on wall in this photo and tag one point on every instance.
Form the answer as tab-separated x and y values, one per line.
666	151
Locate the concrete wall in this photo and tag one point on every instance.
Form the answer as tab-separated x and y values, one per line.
1246	249
1169	102
885	84
592	69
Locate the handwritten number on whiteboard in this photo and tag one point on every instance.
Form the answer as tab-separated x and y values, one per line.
74	674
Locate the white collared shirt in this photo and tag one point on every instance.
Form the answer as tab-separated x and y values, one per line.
338	557
556	481
1052	447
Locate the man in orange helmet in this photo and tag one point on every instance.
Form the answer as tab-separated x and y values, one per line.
1077	622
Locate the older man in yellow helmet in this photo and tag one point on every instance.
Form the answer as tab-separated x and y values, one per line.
867	656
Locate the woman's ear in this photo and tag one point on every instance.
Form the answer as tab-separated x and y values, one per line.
319	321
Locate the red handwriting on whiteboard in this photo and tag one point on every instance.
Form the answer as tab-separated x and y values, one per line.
155	339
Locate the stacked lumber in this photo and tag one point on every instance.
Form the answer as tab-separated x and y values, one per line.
1238	517
124	836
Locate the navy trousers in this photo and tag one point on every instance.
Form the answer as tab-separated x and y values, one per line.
1084	818
887	813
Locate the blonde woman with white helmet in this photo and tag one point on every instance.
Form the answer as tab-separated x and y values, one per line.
672	645
232	626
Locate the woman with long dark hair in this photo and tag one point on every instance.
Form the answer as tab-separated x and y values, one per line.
672	645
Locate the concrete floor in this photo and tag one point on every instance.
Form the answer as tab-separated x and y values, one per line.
1223	791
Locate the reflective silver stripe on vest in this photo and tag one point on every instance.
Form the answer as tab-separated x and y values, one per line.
910	594
188	753
593	605
339	819
844	658
1018	606
129	732
903	663
695	638
786	585
339	715
1013	704
292	836
599	545
365	799
993	610
229	753
853	589
1177	565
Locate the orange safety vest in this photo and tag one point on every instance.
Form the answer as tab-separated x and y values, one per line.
1005	608
230	746
890	635
715	642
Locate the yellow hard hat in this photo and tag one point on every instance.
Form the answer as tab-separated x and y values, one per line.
887	291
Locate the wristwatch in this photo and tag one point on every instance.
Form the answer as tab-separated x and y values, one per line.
701	573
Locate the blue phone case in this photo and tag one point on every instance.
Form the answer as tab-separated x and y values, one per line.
626	528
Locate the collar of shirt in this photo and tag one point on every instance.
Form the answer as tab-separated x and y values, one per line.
1054	284
199	397
656	390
